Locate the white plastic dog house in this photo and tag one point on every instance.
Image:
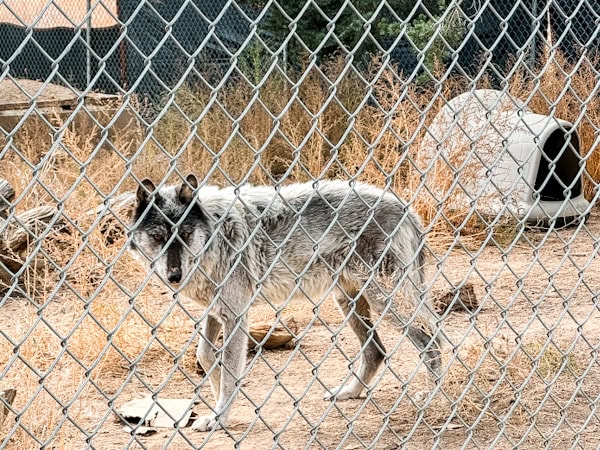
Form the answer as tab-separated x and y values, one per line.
499	156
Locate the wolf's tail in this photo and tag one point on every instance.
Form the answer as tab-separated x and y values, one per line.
413	247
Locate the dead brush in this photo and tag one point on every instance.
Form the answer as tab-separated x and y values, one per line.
33	354
494	379
484	380
51	386
108	338
387	153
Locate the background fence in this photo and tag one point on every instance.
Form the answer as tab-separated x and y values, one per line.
147	47
97	95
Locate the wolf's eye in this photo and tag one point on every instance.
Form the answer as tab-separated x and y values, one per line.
157	237
184	235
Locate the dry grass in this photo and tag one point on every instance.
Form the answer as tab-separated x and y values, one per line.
286	131
495	379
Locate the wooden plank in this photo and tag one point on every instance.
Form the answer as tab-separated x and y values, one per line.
18	95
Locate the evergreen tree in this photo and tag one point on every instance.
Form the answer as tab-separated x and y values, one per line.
313	23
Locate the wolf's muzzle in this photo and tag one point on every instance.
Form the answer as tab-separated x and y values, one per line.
174	275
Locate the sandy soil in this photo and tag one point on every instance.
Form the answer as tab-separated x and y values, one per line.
525	372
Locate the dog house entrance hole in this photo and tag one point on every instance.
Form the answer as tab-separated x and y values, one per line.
566	170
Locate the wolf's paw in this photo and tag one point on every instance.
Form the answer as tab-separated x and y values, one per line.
206	423
341	393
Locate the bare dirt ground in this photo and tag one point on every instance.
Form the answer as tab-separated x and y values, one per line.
525	372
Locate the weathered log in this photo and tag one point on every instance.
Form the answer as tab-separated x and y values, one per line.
119	203
5	275
18	234
110	226
279	335
27	226
7	195
18	231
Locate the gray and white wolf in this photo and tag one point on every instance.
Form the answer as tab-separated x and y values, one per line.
226	248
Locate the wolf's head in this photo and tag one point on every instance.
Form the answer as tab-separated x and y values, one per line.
170	228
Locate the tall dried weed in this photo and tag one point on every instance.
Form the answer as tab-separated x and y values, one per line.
330	122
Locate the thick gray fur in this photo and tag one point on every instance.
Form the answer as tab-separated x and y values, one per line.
225	248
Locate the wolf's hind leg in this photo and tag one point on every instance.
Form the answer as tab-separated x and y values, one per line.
357	311
430	348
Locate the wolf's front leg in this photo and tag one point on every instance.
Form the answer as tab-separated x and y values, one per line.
210	329
232	359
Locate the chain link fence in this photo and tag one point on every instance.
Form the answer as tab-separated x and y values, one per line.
482	116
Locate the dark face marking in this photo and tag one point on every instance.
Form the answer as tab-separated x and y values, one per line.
174	261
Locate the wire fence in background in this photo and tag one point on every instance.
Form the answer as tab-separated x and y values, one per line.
482	116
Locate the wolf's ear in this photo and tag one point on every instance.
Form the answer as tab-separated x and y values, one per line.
186	193
144	190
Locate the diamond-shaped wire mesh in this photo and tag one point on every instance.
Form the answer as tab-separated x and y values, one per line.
482	117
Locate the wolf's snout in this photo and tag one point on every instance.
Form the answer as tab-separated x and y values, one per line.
174	275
